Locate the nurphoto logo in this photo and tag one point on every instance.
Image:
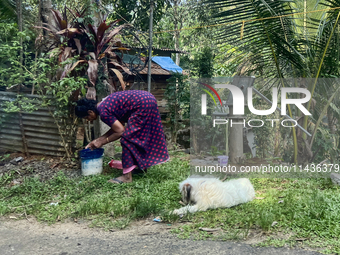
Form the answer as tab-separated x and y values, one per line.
239	102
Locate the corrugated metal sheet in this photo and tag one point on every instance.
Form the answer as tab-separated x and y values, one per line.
155	48
155	70
40	130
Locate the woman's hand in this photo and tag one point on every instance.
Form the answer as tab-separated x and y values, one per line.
97	143
116	131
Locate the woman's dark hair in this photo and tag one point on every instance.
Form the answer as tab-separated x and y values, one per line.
84	105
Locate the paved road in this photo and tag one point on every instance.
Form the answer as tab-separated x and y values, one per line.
20	237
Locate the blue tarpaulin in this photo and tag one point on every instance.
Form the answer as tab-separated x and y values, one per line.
167	64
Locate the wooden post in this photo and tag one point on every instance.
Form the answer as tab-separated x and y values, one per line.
238	122
100	128
150	45
236	138
22	130
20	25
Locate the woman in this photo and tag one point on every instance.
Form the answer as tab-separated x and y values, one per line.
142	139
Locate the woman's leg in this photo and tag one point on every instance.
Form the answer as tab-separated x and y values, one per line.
126	178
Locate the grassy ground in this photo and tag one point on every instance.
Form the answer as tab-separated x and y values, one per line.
302	212
92	197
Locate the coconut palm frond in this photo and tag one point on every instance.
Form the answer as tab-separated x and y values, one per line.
7	10
272	42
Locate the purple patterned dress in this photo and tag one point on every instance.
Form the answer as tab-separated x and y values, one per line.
143	140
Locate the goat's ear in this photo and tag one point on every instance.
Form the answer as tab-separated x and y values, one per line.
186	192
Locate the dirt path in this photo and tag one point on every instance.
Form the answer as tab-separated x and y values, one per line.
30	237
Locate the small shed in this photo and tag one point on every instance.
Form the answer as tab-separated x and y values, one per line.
162	67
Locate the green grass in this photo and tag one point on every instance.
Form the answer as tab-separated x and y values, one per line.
92	197
308	213
4	157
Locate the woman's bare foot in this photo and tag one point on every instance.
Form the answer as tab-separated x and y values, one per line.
125	178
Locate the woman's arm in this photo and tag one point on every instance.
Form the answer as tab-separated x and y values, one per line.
114	133
117	131
110	131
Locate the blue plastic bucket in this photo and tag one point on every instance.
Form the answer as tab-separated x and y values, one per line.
91	161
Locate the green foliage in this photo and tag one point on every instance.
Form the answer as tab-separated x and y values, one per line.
63	89
204	137
55	93
262	137
39	73
77	57
4	157
177	94
286	46
136	12
269	46
7	10
11	71
326	145
202	65
227	61
20	104
8	31
61	92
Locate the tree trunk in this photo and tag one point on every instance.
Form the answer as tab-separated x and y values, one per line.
96	14
277	142
304	151
20	25
45	14
194	143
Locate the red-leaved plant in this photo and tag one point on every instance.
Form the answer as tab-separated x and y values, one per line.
87	44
